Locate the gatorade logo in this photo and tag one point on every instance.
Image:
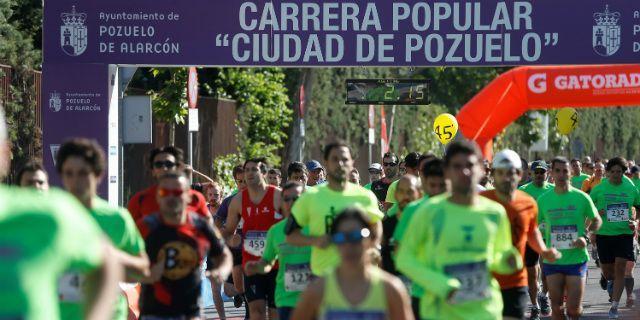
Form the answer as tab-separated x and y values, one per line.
537	83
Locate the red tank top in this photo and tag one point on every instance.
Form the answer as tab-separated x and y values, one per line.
258	218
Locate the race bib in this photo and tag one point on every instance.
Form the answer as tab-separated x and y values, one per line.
474	281
617	212
562	237
70	287
296	277
254	242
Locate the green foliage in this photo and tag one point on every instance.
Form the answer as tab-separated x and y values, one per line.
223	170
264	113
169	102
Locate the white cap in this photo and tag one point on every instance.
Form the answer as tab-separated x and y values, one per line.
507	159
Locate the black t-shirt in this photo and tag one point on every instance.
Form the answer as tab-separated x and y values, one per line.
184	248
380	188
389	224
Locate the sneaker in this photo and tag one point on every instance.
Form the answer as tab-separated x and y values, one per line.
535	313
237	301
545	307
613	313
603	282
610	289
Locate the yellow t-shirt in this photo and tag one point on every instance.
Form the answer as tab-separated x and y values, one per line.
317	207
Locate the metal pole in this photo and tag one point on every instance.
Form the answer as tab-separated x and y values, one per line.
190	143
370	153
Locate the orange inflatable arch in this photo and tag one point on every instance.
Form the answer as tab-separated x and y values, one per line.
523	89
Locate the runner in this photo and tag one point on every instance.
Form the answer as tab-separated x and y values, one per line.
412	166
539	298
297	171
433	183
33	175
523	215
354	176
635	176
317	208
408	190
274	177
381	187
485	181
294	272
42	235
177	242
258	207
370	292
454	242
526	173
375	173
162	160
213	194
615	198
80	164
316	173
594	180
567	212
577	177
220	219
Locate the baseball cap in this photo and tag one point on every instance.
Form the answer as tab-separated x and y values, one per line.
507	159
375	166
313	165
539	164
635	169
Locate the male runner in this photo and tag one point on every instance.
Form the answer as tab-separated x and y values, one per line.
567	213
615	198
294	272
162	160
587	165
537	187
297	171
635	176
33	175
526	173
41	236
316	173
274	177
354	176
455	241
577	177
433	183
381	187
375	173
80	163
318	206
177	242
258	207
595	179
523	216
412	166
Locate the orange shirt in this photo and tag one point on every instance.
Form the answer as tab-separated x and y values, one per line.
590	183
144	203
523	216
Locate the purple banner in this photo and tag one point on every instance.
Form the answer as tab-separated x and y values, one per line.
341	33
75	102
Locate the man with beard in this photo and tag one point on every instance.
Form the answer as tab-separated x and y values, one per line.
318	206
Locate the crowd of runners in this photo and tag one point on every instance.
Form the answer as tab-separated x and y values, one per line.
451	237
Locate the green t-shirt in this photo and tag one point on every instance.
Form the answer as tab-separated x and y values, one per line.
119	227
576	181
317	207
41	236
564	217
367	186
615	203
294	271
408	212
636	182
391	192
535	192
449	246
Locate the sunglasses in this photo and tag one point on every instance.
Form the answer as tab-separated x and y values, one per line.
389	164
290	199
163	193
355	236
164	164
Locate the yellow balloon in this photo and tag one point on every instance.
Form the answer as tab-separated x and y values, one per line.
566	120
445	127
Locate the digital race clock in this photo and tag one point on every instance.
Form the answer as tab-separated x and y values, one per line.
387	91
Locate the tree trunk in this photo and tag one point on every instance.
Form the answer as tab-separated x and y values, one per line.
295	142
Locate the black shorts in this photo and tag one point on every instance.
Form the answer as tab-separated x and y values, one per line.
236	253
612	247
515	302
261	287
531	258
